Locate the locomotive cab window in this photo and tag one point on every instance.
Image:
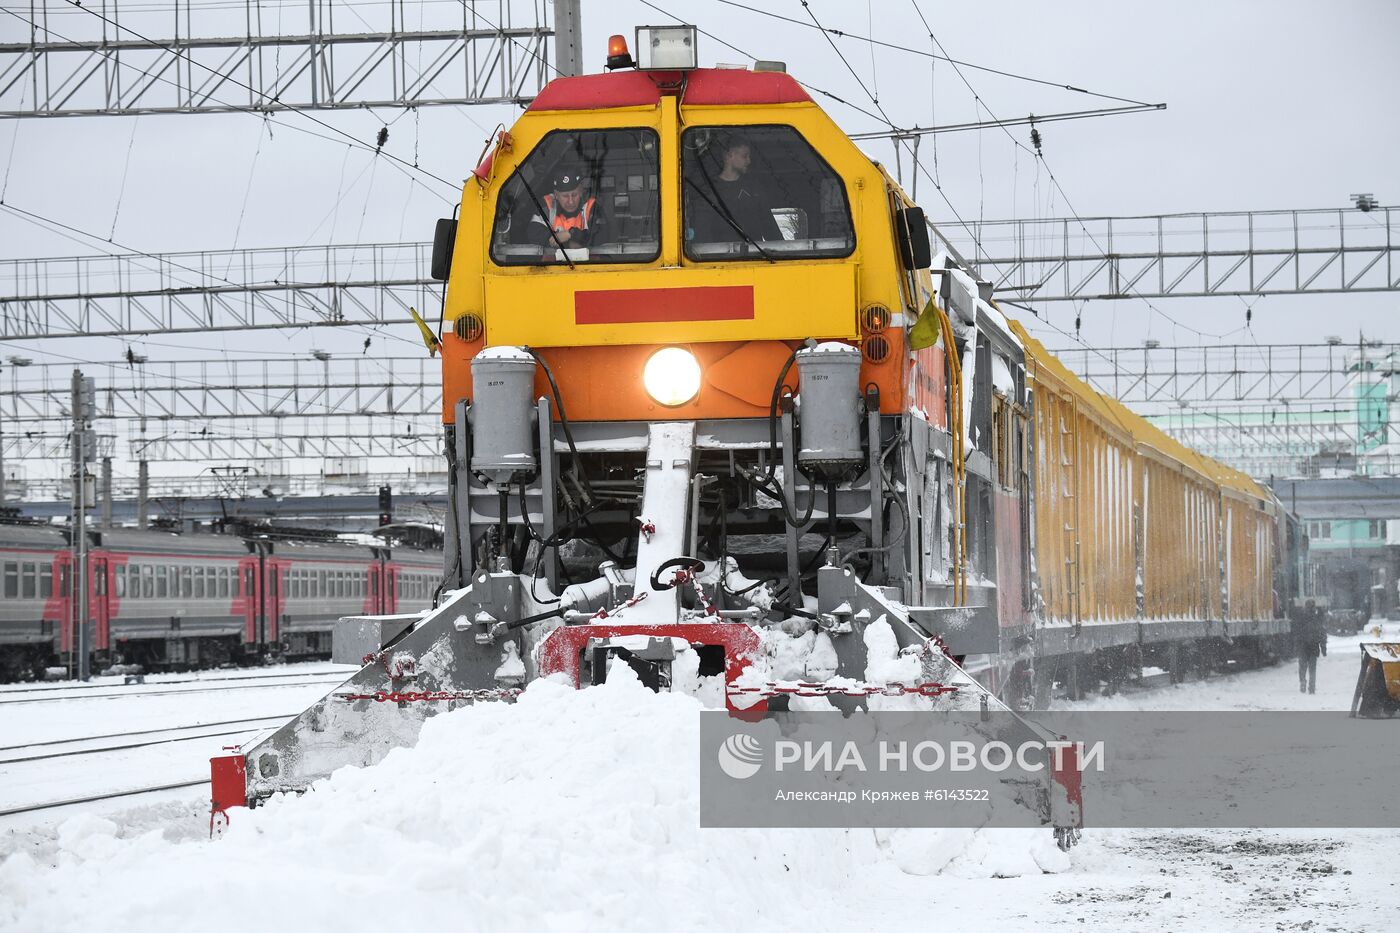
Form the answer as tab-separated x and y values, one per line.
581	196
761	192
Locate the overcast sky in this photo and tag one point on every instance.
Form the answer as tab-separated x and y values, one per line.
1271	105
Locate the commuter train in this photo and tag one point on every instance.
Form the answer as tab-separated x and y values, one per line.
761	283
161	600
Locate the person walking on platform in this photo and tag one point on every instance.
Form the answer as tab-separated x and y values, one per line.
1310	637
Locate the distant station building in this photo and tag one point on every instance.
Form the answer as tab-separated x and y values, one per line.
1353	527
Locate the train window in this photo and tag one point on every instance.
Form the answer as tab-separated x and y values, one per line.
11	580
186	583
148	581
119	584
45	581
162	582
573	191
223	582
99	581
756	192
28	581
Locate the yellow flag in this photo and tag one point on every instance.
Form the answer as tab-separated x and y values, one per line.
429	338
927	330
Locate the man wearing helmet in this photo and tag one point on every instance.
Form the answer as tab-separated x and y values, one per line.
572	220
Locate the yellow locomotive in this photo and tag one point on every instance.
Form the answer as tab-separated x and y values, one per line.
713	407
741	221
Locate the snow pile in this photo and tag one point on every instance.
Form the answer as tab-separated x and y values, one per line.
567	810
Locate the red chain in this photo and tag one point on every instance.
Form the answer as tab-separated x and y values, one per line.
937	642
798	688
431	696
603	613
401	668
687	576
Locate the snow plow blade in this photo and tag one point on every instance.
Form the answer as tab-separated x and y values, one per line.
1378	685
456	655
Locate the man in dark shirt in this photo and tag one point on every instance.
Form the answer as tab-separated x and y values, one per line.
1310	636
730	199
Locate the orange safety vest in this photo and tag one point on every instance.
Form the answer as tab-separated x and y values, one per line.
579	221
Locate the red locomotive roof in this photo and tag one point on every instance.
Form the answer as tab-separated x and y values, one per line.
642	88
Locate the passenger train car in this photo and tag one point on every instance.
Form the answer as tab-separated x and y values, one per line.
161	599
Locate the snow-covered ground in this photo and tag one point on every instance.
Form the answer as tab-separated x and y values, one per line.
577	811
228	706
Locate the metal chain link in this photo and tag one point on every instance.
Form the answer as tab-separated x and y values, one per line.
400	670
775	688
433	696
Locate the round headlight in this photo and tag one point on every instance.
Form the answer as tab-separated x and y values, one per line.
671	376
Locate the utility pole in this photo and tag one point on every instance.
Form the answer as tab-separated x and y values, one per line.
568	38
143	486
83	447
106	492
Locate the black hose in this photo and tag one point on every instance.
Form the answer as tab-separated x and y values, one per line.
451	451
537	617
578	469
693	564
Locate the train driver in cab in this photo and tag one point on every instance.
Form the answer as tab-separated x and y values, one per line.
573	219
728	204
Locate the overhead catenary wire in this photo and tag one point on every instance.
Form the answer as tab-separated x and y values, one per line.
944	57
121	188
236	107
1039	155
248	87
885	117
840	100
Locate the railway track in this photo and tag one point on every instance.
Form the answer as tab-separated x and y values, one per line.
55	687
55	748
93	798
83	693
249	725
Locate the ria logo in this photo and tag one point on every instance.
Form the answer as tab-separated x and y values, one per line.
740	756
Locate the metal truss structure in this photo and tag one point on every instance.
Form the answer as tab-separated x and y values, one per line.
223	290
189	57
1213	374
319	423
216	290
1187	255
214	390
234	410
1266	409
1306	439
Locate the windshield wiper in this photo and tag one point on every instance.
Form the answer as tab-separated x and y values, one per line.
724	215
